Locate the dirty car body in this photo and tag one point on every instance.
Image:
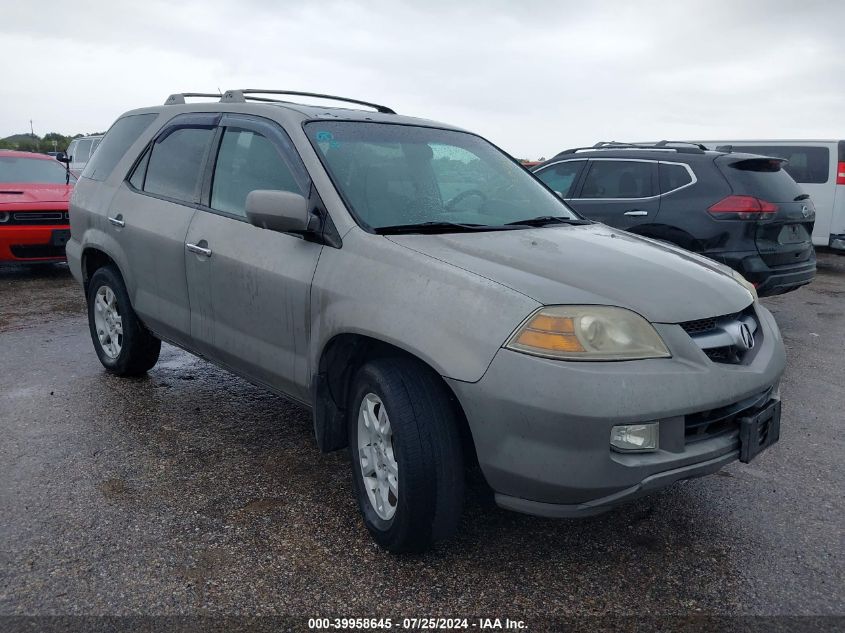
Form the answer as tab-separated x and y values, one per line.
428	258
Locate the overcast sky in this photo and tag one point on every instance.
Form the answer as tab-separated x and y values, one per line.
533	76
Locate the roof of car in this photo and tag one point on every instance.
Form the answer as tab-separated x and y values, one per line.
652	154
11	153
788	141
289	107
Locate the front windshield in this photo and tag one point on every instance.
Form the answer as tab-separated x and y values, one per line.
400	176
22	169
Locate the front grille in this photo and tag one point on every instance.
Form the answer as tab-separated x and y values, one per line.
31	218
699	326
37	251
706	424
720	337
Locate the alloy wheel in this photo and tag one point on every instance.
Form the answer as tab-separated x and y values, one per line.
108	321
376	456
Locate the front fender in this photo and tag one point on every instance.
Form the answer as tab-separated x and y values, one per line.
452	319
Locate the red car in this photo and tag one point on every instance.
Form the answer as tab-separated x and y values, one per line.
34	193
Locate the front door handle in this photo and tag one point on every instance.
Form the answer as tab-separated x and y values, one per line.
199	250
636	213
117	220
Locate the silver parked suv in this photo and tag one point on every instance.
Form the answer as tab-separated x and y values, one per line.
430	300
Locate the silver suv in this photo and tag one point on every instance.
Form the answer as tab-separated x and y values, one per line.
434	304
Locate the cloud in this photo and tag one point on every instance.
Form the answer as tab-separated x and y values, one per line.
534	77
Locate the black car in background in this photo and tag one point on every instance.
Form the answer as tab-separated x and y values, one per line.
740	209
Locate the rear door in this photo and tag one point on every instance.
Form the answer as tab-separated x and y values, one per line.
619	192
813	167
150	215
784	236
250	287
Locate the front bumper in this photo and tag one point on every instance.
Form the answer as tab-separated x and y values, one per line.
542	427
31	243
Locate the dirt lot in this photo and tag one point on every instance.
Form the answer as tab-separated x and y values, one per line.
193	492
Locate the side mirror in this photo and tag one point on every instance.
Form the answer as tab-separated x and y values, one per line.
63	158
281	211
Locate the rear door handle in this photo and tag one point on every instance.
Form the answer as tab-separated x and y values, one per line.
199	250
117	220
636	213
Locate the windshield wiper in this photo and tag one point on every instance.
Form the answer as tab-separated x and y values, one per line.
803	196
543	220
438	227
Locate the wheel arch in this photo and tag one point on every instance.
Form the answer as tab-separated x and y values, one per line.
93	258
339	361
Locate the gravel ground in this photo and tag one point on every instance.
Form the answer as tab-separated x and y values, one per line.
191	492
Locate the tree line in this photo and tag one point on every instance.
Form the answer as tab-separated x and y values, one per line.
34	143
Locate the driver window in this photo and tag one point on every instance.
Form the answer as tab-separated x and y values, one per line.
562	177
247	161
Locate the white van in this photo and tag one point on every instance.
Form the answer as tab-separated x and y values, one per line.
819	169
80	152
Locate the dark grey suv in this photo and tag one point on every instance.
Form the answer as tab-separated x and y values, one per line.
742	210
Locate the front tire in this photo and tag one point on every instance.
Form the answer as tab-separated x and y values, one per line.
124	346
407	463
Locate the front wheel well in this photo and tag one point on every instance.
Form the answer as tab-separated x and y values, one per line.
341	359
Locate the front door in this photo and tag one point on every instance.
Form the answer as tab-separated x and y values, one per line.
250	287
622	193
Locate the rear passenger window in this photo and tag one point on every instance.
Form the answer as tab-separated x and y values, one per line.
673	177
247	161
806	163
562	177
114	144
176	162
618	179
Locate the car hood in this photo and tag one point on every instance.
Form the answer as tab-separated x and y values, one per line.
592	264
29	194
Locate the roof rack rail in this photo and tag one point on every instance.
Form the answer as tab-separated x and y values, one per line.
664	146
247	94
665	143
179	97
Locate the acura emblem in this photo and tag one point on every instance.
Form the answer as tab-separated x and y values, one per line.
746	336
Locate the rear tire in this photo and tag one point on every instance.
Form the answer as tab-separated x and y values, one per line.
408	479
124	346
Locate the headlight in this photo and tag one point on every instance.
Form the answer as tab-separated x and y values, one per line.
588	333
745	284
